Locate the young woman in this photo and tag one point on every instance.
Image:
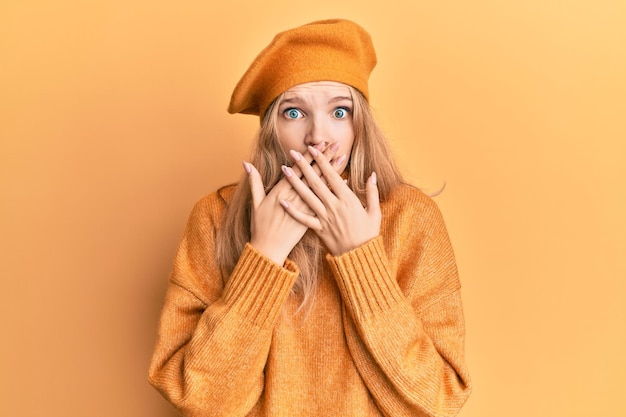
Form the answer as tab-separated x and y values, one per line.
321	284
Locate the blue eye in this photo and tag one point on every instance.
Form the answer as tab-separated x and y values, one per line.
340	113
293	113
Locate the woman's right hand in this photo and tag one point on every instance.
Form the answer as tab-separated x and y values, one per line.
273	232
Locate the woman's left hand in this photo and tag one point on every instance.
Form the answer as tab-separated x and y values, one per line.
340	219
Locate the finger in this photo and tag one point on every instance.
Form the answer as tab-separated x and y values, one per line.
302	188
309	221
256	184
336	164
330	173
309	160
316	184
372	195
329	153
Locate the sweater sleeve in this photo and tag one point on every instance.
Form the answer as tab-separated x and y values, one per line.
213	339
407	342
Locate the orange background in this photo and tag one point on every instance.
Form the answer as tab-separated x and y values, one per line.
113	123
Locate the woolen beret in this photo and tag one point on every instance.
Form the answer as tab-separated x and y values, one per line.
326	50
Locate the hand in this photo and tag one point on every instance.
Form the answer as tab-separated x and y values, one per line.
273	232
338	217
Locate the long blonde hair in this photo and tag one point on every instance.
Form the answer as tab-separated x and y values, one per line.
370	153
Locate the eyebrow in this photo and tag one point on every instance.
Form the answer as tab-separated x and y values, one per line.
297	99
291	100
340	98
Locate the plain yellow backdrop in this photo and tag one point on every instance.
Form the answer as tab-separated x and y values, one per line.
113	123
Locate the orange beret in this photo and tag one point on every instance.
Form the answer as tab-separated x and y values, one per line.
327	50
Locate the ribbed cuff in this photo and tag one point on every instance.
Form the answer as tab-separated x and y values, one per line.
258	287
364	280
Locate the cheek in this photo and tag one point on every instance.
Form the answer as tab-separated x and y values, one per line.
346	135
288	137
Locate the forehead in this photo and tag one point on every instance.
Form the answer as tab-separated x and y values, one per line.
325	88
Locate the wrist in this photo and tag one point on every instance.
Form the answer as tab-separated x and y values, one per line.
269	251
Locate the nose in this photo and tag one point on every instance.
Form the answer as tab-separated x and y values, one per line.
317	135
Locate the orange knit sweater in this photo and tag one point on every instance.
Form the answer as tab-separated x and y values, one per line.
384	337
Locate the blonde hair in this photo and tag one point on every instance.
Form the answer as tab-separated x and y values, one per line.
370	153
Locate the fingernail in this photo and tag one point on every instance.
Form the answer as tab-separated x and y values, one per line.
313	151
246	166
288	171
373	178
295	155
340	160
283	203
334	147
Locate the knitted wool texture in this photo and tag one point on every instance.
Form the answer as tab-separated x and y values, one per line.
326	50
384	338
